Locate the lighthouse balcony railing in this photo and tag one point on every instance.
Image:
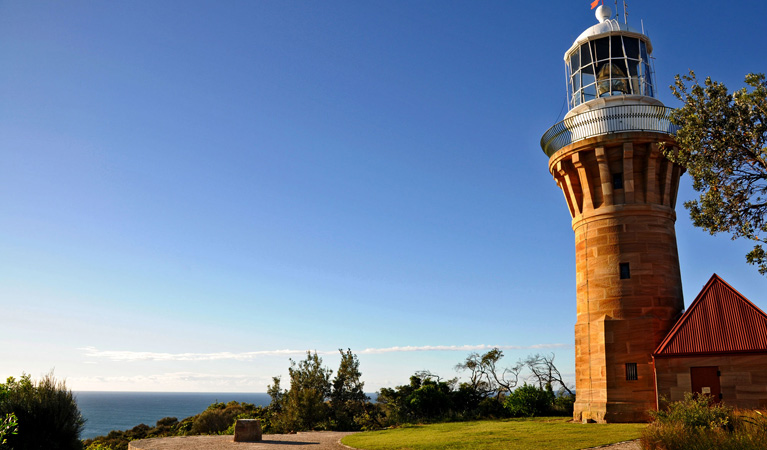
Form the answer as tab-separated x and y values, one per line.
608	120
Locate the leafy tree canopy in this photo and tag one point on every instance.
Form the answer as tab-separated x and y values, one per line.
723	145
348	399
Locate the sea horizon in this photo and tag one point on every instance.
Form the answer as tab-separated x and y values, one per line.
105	411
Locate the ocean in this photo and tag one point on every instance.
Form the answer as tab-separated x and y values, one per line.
107	411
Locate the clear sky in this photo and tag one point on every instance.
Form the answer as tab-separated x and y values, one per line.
192	192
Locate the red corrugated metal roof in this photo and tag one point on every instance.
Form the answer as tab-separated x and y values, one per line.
720	320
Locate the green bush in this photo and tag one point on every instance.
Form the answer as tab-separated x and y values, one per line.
696	423
563	405
492	407
48	417
219	418
8	426
696	412
529	401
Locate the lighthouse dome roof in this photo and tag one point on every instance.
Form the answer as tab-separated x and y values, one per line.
608	25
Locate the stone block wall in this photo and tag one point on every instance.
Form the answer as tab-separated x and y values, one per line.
743	379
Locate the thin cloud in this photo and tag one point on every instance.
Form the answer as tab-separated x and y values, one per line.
129	356
459	348
126	355
172	381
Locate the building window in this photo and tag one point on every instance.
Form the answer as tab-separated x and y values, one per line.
625	271
618	181
631	371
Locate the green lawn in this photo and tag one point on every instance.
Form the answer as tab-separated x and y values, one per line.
554	433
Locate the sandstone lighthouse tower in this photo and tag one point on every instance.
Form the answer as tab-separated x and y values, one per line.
621	194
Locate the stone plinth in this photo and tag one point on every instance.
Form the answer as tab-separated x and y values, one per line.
247	430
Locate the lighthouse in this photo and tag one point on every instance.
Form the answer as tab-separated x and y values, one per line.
621	193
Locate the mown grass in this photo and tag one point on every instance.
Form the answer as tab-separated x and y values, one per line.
512	434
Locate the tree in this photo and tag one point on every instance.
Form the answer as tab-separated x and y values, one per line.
486	378
426	398
347	400
546	373
276	393
303	406
723	145
47	414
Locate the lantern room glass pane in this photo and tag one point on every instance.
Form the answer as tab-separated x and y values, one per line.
632	47
616	47
588	76
574	65
585	55
601	48
589	92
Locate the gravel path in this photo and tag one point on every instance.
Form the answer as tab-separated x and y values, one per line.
628	445
311	440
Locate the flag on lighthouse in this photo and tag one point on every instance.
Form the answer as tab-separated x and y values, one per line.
594	4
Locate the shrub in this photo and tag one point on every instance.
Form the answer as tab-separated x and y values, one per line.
8	426
696	423
529	401
218	418
48	417
492	407
696	412
563	404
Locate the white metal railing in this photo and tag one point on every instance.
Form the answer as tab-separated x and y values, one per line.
611	119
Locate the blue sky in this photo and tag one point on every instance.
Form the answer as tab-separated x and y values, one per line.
194	192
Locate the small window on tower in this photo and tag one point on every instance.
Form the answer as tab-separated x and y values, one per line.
618	181
625	271
631	371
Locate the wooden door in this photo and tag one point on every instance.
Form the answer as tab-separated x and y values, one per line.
705	380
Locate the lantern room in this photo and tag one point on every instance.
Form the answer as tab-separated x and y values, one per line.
607	60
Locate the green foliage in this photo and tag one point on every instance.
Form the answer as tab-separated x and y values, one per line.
8	426
118	440
486	379
489	393
219	418
563	404
313	402
696	423
529	401
427	399
46	411
98	446
276	393
347	399
723	146
303	406
695	412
